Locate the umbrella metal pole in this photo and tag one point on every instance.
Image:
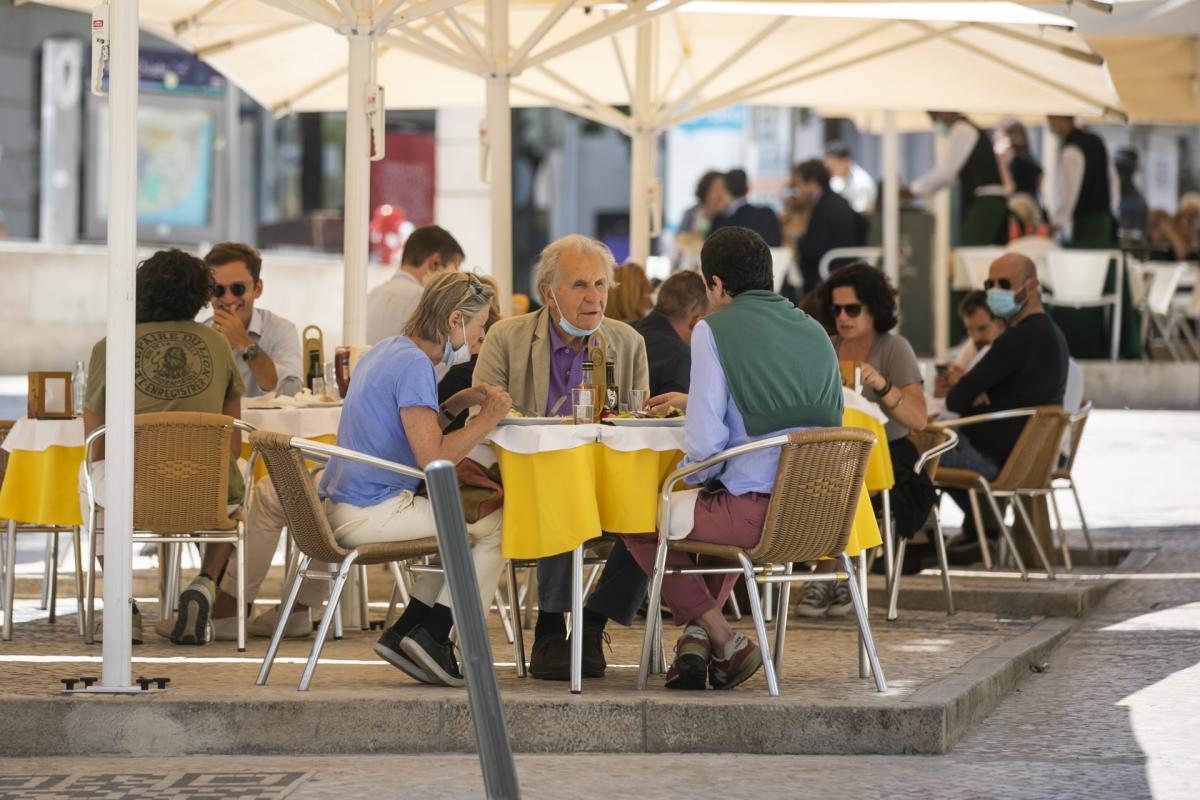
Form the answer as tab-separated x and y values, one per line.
119	384
358	189
891	198
644	138
499	141
940	285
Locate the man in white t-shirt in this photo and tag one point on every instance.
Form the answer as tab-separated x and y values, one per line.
427	251
848	179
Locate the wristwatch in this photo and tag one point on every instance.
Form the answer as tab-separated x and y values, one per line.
251	352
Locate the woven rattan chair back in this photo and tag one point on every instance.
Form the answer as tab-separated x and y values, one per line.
181	472
816	491
1075	436
1035	455
305	514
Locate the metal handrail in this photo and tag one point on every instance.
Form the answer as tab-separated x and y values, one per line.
327	451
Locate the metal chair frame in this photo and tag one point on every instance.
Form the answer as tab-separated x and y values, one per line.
928	458
872	255
1114	299
754	574
235	536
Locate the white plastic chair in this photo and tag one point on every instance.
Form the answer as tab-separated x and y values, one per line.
871	255
781	261
1077	279
971	265
1164	280
1036	248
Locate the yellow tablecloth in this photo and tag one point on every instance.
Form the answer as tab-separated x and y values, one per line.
556	499
41	486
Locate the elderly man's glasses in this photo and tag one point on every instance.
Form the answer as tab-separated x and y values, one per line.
235	289
852	310
999	283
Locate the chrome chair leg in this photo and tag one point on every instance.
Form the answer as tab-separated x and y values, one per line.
52	578
894	595
977	515
241	588
76	538
530	594
336	613
760	626
335	596
785	596
1007	534
735	607
89	634
653	613
577	620
864	626
277	635
399	593
768	601
864	663
364	599
502	611
10	578
518	638
889	542
169	566
1087	534
1037	543
943	562
44	601
1062	532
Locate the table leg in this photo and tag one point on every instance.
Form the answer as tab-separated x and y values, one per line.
577	620
44	603
10	578
51	581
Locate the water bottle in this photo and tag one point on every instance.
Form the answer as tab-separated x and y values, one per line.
78	386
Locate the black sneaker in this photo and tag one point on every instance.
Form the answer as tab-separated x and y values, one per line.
436	659
388	648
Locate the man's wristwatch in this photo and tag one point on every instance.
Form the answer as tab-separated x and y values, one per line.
250	353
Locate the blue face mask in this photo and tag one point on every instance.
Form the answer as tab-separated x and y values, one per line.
1003	303
572	330
452	355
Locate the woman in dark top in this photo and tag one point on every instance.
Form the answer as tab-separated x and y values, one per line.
1018	168
459	376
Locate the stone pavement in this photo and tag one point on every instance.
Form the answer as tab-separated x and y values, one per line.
1114	713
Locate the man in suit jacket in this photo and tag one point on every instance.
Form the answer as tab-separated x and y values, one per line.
538	358
832	223
760	219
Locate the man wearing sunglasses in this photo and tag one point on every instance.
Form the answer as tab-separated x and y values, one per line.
1026	366
266	346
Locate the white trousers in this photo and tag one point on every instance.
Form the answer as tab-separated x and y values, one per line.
405	517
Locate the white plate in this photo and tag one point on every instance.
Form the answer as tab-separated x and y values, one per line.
531	421
646	422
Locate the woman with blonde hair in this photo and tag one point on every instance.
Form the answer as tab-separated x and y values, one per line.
630	297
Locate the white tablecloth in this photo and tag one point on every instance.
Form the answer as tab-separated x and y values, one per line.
38	434
306	423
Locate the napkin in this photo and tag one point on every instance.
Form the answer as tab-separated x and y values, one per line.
853	399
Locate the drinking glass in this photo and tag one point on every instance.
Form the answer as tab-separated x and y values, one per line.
330	377
583	404
637	400
318	388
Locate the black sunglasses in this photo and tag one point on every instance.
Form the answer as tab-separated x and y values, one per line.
852	310
235	289
1001	283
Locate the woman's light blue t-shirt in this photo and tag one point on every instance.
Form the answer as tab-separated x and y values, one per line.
393	375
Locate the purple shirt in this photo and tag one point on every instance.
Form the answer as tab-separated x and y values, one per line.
566	372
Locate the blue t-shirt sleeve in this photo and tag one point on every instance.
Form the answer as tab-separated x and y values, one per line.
417	386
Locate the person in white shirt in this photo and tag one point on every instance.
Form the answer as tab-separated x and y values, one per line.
266	346
1087	187
427	251
970	159
848	179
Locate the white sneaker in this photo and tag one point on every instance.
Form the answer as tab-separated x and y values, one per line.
299	624
815	599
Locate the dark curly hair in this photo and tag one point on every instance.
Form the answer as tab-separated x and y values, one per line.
172	285
874	291
739	257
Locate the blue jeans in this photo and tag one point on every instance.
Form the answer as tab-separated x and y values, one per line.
966	456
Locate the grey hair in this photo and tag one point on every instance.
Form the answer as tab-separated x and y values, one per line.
547	268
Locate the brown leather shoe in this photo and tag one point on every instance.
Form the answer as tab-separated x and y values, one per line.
551	658
594	663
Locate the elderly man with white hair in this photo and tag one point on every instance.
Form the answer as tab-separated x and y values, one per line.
538	358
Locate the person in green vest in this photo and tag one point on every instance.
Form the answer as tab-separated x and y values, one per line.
760	367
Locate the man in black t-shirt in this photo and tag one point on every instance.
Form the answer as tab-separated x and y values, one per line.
667	329
1026	366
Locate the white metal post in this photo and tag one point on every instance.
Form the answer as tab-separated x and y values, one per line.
891	198
1050	146
940	279
119	371
644	138
357	218
499	137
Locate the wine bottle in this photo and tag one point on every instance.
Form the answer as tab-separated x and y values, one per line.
612	392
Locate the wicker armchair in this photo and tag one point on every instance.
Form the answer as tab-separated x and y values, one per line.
931	443
309	527
1062	478
180	491
816	492
1026	473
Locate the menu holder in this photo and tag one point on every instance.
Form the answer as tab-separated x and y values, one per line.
314	343
50	395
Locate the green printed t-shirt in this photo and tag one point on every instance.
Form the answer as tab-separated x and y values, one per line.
178	366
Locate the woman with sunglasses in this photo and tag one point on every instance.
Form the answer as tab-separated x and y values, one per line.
392	411
858	303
